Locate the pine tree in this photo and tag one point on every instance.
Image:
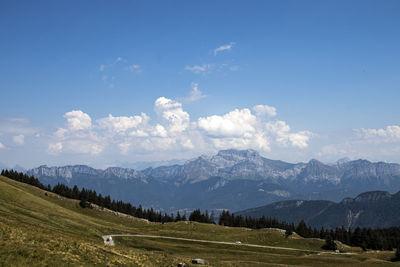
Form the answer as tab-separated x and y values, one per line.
178	217
329	244
288	233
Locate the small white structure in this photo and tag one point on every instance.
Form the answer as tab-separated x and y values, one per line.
198	261
238	242
108	240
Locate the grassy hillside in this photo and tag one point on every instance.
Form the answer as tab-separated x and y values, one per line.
41	228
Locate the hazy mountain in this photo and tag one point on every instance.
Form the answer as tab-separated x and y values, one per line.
375	209
19	168
231	179
3	166
141	165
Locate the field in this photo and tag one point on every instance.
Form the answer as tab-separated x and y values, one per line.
41	228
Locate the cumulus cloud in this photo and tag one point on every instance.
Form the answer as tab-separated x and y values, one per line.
19	139
77	137
285	137
78	120
262	110
173	131
233	124
172	113
121	124
159	131
226	47
389	134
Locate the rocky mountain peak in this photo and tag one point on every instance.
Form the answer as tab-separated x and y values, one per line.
230	157
343	160
314	162
238	154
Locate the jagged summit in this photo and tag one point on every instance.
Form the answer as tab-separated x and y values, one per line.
238	154
343	160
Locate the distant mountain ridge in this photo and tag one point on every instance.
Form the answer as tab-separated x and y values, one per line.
375	209
231	179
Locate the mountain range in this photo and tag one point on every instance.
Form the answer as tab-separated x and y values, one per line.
231	179
375	209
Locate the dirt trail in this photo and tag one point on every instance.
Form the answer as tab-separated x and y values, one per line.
107	237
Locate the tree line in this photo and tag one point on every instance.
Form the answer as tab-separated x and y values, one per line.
366	238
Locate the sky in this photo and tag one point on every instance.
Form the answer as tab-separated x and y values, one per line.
105	82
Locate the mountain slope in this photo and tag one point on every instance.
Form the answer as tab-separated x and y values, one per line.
375	209
39	228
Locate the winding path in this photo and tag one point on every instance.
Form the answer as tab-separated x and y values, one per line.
109	241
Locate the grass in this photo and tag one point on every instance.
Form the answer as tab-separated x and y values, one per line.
39	228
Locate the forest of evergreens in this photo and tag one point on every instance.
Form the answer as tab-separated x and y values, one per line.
366	238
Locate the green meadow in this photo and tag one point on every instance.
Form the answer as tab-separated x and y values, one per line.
39	228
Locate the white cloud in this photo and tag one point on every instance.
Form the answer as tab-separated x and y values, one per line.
135	68
19	139
124	147
2	146
102	67
224	48
237	129
121	124
173	132
199	68
78	120
79	136
159	131
390	134
172	114
284	137
54	148
195	94
261	110
60	133
300	139
233	124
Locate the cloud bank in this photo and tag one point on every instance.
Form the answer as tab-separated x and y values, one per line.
173	130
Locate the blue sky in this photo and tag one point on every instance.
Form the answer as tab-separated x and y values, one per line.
183	78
